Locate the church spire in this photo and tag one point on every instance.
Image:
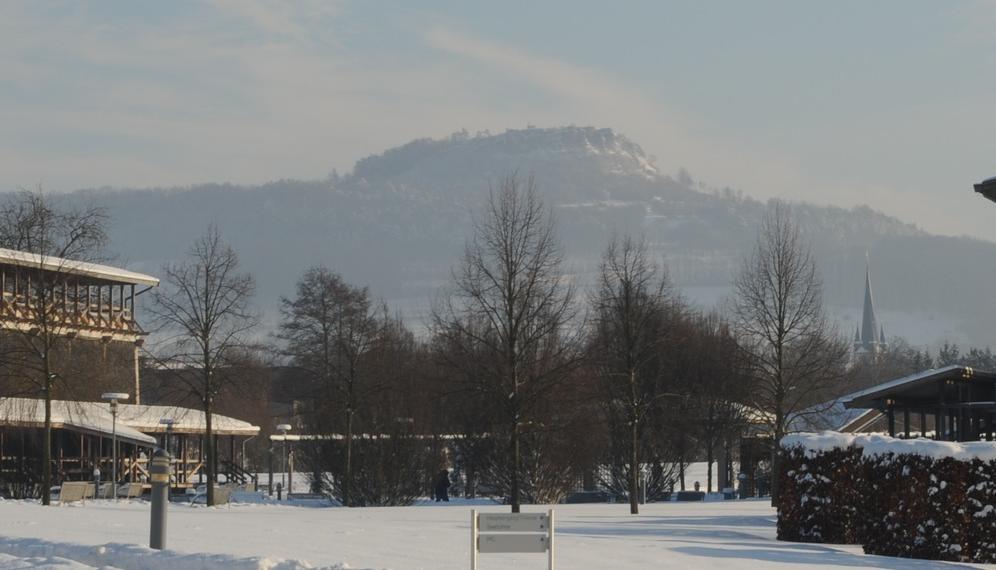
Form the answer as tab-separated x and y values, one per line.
869	324
870	334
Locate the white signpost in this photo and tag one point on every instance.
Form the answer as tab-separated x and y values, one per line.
510	533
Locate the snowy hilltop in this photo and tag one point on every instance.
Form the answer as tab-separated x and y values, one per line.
400	218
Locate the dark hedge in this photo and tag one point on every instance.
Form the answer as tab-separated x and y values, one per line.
896	505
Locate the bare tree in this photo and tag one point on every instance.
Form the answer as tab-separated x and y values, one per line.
796	354
60	238
718	385
629	307
205	310
328	328
511	306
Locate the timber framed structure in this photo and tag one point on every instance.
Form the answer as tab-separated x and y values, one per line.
954	403
94	306
82	441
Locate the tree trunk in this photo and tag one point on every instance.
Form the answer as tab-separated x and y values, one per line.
209	451
775	455
348	483
634	470
516	461
776	464
47	440
681	467
709	453
634	449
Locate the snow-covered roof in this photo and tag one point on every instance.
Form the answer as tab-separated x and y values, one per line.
48	263
185	420
862	422
91	417
134	420
861	398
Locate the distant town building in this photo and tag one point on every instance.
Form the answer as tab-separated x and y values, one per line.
869	336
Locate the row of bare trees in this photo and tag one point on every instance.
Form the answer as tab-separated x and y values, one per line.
521	381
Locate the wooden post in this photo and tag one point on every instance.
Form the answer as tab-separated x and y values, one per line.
906	421
138	373
891	414
923	423
183	457
473	539
550	552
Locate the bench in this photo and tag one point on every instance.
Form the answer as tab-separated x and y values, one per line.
222	495
690	496
73	491
131	490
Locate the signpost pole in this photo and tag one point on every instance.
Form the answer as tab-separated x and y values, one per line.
473	539
550	531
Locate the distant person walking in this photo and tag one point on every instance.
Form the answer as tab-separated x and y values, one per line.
442	487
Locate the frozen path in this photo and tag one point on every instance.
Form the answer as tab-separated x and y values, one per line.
730	535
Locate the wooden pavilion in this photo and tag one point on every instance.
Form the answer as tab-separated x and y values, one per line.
88	313
954	403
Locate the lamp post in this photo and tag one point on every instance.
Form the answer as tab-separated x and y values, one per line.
168	422
113	397
283	429
987	188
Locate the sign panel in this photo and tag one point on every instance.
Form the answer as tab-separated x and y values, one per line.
495	543
517	522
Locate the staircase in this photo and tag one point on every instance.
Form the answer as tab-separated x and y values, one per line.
236	474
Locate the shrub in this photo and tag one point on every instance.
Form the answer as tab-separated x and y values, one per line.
912	499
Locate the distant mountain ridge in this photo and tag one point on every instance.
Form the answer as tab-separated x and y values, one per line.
399	220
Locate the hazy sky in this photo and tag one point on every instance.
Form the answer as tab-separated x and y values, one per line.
885	103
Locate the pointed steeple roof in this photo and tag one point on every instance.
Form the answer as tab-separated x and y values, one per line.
869	323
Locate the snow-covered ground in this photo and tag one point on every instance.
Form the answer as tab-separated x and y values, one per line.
730	535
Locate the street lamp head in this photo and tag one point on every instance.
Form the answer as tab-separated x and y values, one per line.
114	396
987	188
284	427
168	422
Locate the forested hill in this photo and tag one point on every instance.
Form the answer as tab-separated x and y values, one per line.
400	219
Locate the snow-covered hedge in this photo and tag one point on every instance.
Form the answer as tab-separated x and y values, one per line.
913	498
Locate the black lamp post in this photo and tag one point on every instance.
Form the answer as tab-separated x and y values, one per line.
113	398
987	188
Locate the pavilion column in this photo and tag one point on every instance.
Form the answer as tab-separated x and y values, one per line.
138	378
183	458
923	423
59	454
891	414
906	421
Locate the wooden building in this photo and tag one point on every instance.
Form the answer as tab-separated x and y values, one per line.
954	403
83	315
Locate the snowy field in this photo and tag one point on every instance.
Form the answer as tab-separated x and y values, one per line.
101	534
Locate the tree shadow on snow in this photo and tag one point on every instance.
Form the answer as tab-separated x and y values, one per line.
662	532
756	521
811	554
